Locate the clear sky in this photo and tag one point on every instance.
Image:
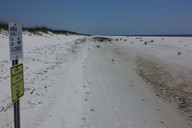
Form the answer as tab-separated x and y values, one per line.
105	17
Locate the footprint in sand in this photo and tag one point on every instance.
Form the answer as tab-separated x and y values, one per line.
92	109
84	118
84	86
86	99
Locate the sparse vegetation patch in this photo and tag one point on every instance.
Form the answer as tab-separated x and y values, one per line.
39	30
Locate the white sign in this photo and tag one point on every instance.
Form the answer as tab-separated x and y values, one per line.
15	41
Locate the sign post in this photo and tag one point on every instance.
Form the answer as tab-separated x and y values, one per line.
16	52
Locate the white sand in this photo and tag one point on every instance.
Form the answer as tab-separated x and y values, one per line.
70	83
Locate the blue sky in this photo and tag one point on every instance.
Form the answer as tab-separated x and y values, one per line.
106	17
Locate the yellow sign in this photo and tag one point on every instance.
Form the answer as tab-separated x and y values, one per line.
17	84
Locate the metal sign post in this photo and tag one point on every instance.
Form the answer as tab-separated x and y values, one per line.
16	52
16	105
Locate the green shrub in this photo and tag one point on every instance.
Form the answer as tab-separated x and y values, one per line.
4	26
